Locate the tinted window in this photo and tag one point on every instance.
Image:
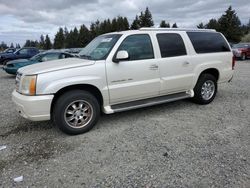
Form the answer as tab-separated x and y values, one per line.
208	42
138	47
171	45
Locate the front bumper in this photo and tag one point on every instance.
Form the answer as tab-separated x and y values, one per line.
35	108
10	70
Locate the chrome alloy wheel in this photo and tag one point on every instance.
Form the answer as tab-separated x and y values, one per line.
78	114
207	90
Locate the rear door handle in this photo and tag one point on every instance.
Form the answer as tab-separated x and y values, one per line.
186	63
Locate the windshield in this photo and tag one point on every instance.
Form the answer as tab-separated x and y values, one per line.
240	46
99	48
36	57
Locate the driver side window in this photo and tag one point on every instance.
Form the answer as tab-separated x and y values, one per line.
50	57
139	47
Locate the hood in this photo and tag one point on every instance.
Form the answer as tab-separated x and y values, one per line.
18	61
7	54
55	65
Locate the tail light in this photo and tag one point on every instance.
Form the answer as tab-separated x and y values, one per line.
233	62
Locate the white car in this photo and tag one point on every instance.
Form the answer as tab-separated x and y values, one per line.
122	71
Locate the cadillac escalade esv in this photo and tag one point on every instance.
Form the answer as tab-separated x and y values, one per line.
122	71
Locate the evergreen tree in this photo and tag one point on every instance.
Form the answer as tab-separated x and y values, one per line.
59	41
47	43
174	25
3	46
163	24
11	45
229	25
114	25
146	19
212	24
135	24
84	36
42	42
201	26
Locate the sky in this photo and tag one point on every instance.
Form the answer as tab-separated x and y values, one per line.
28	19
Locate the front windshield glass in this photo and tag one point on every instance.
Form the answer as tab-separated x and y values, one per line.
36	57
99	48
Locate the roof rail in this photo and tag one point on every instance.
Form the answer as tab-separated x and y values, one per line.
174	29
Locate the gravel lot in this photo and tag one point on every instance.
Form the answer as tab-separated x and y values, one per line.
179	144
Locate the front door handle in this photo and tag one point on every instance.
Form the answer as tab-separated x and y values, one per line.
186	63
153	67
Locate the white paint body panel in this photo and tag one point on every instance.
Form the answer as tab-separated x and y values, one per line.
125	81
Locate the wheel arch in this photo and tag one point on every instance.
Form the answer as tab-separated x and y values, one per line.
213	71
85	87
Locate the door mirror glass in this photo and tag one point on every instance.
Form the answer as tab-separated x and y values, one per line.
122	55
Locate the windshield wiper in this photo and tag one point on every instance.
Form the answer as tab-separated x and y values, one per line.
85	56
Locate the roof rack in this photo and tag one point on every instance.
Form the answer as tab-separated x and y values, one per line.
174	29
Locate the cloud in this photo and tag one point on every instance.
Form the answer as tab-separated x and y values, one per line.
44	17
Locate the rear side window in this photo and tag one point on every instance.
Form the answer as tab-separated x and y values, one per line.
208	42
139	47
171	45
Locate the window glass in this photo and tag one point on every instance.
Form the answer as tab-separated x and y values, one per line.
171	45
51	56
208	42
23	51
138	47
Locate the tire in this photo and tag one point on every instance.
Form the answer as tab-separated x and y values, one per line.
243	57
76	112
202	94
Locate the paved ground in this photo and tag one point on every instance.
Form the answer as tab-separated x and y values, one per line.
180	144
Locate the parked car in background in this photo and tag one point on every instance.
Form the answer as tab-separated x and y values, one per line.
8	50
12	66
241	50
23	53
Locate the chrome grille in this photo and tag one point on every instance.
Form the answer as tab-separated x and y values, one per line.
18	78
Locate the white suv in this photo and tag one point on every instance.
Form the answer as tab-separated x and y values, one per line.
123	71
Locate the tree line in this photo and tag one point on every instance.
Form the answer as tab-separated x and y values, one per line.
229	24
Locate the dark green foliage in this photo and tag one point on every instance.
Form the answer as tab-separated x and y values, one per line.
146	19
163	24
136	23
174	25
31	43
3	46
84	36
59	41
47	43
201	26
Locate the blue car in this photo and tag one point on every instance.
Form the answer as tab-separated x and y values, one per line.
8	51
12	66
23	53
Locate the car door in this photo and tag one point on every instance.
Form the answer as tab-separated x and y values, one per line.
175	65
138	76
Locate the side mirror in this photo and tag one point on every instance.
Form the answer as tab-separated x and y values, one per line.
121	56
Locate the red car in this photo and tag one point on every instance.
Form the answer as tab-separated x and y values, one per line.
241	50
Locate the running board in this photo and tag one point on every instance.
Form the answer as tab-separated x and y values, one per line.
148	102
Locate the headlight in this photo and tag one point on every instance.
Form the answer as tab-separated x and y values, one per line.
28	85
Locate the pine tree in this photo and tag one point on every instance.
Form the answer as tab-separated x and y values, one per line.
212	24
135	24
11	45
47	43
201	26
42	42
174	25
59	41
84	36
163	24
114	25
229	25
146	19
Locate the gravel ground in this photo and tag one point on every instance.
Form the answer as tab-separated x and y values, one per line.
179	144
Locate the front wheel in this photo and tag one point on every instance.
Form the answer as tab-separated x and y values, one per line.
205	89
76	112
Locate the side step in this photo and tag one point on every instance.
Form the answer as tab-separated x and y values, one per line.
150	102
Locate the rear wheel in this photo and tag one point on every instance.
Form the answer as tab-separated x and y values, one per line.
205	89
76	112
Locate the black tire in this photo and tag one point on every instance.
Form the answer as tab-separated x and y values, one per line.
198	97
63	103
